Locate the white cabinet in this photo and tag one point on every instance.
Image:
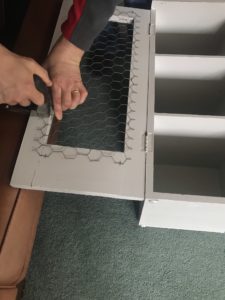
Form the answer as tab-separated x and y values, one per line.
172	154
189	122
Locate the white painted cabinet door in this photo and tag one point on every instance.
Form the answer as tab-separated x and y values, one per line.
89	156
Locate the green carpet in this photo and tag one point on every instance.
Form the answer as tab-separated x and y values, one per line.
93	249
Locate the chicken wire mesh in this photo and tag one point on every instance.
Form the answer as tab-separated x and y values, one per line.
103	125
100	123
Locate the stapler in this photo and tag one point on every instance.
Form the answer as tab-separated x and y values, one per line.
43	110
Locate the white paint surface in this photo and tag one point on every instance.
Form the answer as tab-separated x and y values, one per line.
184	215
190	67
189	129
189	126
191	180
190	27
189	16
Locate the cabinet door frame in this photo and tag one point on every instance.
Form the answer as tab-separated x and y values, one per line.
41	166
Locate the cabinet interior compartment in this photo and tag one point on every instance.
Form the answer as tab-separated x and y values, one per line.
190	85
189	164
190	27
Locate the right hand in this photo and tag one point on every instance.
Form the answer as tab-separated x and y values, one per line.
16	79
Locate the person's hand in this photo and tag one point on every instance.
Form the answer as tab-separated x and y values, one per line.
16	79
63	65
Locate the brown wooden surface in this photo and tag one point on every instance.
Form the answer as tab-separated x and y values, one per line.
33	41
12	127
41	20
17	247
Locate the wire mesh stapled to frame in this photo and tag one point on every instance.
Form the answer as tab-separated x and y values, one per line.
103	125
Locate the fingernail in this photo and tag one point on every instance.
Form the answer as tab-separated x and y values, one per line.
58	117
73	107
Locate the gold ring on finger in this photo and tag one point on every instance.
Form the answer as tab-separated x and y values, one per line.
75	91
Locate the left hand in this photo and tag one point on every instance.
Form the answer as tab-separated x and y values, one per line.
63	66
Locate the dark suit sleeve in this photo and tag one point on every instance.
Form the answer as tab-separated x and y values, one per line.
86	19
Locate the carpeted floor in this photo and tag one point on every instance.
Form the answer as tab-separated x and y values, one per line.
93	249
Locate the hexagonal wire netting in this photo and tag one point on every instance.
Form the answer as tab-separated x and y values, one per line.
100	122
104	122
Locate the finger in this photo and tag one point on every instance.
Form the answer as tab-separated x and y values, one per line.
25	103
66	99
41	72
1	99
13	103
57	102
75	98
83	94
36	97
